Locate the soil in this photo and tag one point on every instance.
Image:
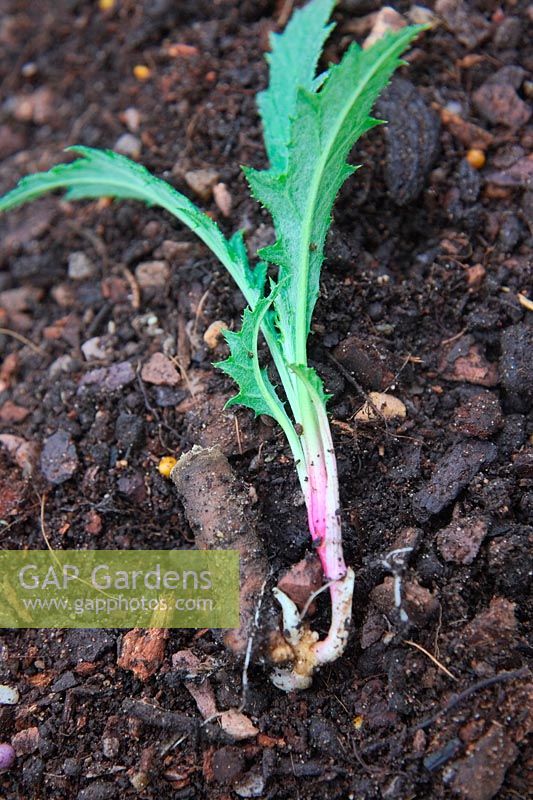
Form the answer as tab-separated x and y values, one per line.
424	295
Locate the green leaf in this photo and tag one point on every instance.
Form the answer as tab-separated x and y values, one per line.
313	382
102	173
255	389
293	59
325	127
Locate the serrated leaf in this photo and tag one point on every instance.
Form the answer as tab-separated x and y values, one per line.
255	388
325	127
293	59
102	173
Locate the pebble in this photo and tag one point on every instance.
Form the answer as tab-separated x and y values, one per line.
223	198
479	415
143	651
387	19
153	274
108	379
302	580
160	370
32	773
80	266
12	413
132	119
7	756
66	681
497	99
133	487
492	631
9	695
92	349
128	145
59	459
469	26
26	741
480	775
129	431
453	472
460	541
508	33
202	181
251	785
38	107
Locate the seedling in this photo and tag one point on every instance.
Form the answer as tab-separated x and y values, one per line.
310	124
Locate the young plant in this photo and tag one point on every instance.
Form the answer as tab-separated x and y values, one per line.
310	124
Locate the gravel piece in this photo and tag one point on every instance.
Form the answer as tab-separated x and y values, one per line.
480	775
460	541
80	267
480	415
497	99
59	459
128	145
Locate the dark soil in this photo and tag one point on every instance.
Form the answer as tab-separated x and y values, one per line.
427	272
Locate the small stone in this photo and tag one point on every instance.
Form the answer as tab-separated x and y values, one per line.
133	487
129	431
66	681
92	349
381	405
460	541
213	334
480	415
302	580
153	274
387	19
12	414
59	460
202	181
62	364
251	785
9	695
160	371
222	198
418	602
469	26
128	145
475	275
38	107
132	119
26	741
110	746
508	33
108	379
80	266
7	756
498	101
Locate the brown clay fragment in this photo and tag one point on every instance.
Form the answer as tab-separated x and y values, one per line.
220	512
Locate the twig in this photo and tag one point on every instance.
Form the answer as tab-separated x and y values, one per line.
457	699
20	338
430	656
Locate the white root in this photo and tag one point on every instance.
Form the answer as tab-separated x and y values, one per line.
304	653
